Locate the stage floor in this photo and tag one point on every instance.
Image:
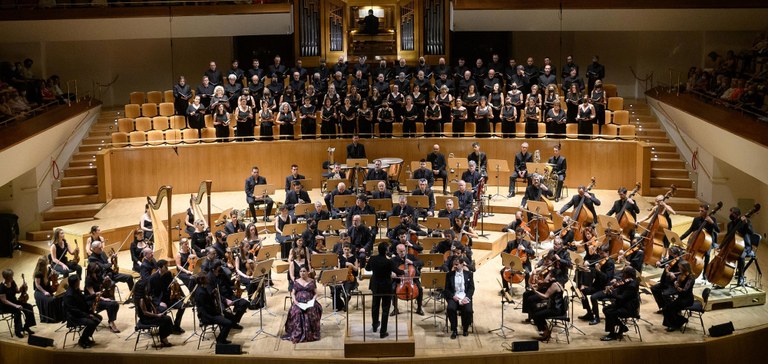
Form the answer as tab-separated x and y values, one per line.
430	340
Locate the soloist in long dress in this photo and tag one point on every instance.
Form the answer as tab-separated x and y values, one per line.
303	326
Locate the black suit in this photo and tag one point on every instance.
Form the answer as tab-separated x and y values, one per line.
381	194
452	306
430	201
292	199
423	173
355	151
381	286
376	175
78	312
330	203
250	185
520	165
209	312
438	164
465	201
560	166
317	216
533	193
289	180
589	203
232	227
626	304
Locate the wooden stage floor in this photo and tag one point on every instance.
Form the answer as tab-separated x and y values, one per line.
430	341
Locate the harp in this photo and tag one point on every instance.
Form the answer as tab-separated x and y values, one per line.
163	238
204	189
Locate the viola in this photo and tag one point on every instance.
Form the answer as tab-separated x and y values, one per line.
699	243
653	237
626	221
107	288
175	289
113	260
407	289
53	278
24	290
722	267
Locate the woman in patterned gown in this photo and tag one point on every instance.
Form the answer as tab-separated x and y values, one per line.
303	325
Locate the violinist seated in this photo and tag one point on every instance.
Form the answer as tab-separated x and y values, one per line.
149	313
465	234
534	192
58	255
626	296
424	173
361	208
234	225
221	281
381	191
453	216
405	227
465	197
313	237
632	208
590	201
341	294
549	303
560	260
99	257
361	239
377	173
566	233
318	214
136	249
408	261
512	226
244	263
209	309
459	289
424	190
45	284
402	207
602	273
746	232
97	288
519	247
710	226
664	291
458	253
184	264
79	313
682	283
296	196
336	211
9	303
447	245
223	252
147	264
472	176
159	292
635	255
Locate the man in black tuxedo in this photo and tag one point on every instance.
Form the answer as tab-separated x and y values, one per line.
381	191
294	176
318	214
535	191
465	197
381	286
590	201
296	196
521	170
459	289
259	196
558	167
78	312
361	207
355	150
438	166
234	225
424	173
376	173
479	158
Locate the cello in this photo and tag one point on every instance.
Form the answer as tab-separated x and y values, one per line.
653	237
699	243
722	267
581	215
626	221
516	276
407	290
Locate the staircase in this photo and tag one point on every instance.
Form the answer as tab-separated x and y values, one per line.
77	198
667	166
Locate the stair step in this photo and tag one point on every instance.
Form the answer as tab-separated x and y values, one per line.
82	163
79	181
91	148
78	190
667	163
667	181
72	211
651	132
49	225
84	156
39	235
75	200
684	203
681	192
80	171
97	140
669	172
665	155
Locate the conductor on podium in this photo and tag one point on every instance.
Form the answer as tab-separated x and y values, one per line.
381	286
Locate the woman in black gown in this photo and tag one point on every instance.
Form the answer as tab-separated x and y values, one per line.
572	101
483	114
196	115
348	116
508	119
409	117
385	117
266	121
221	123
586	118
598	101
556	122
365	120
532	114
328	118
286	119
458	118
308	122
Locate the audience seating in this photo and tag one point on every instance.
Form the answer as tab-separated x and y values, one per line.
132	110
621	117
149	109
160	123
178	122
138	138
119	139
627	132
209	135
168	96
155	137
173	136
125	125
189	136
519	130
615	103
571	130
166	109
137	98
542	130
611	90
143	124
154	97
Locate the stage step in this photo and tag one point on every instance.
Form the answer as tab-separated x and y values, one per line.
80	171
50	224
91	148
79	181
662	147
40	235
681	192
78	190
84	156
669	172
82	163
35	247
665	155
667	181
72	211
75	200
675	163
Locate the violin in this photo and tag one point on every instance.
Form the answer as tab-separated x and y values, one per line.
653	237
96	301
24	290
113	260
238	286
76	257
407	289
581	215
699	243
175	289
626	221
53	278
107	288
257	244
722	267
610	288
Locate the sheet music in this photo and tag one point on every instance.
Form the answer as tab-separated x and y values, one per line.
305	306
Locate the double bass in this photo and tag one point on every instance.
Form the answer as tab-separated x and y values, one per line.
626	221
653	237
582	215
407	289
699	243
722	267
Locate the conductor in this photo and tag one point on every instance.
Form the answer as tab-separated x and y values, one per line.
381	286
370	23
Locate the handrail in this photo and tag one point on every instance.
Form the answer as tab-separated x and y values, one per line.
694	154
62	146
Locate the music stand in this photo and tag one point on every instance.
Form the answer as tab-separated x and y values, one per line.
371	185
335	183
328	225
437	223
233	240
575	295
506	259
368	220
673	238
454	186
302	209
420	202
269	252
381	204
440	201
334	279
498	165
537	168
411	184
263	190
344	201
294	229
433	281
429	242
357	164
455	166
324	261
261	270
417	164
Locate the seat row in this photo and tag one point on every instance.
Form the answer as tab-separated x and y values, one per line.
153	97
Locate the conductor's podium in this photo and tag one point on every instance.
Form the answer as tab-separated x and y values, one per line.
361	342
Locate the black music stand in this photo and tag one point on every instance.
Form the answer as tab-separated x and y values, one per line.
266	252
324	261
499	165
575	295
334	279
261	270
434	281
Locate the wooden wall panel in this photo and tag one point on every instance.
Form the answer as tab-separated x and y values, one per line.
136	172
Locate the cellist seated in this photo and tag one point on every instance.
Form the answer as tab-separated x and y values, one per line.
524	250
535	191
412	267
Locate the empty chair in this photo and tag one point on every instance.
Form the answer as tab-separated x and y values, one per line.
168	96
190	136
397	130
138	138
627	132
697	308
119	139
615	103
608	116
470	129
125	125
155	137
209	135
209	121
136	97
178	122
571	130
173	136
621	117
542	130
154	97
143	124
519	130
447	129
609	131
160	123
610	90
149	109
132	110
166	109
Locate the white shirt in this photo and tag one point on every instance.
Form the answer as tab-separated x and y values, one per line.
458	283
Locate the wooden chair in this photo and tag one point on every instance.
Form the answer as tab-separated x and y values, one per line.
125	125
615	103
166	109
155	137
119	139
610	131
447	129
132	110
610	90
542	130
519	130
608	115
154	97
208	121
620	117
138	138
173	136
149	109
143	124
470	129
571	130
627	132
397	130
419	129
189	136
178	122
168	96
136	97
160	123
209	135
